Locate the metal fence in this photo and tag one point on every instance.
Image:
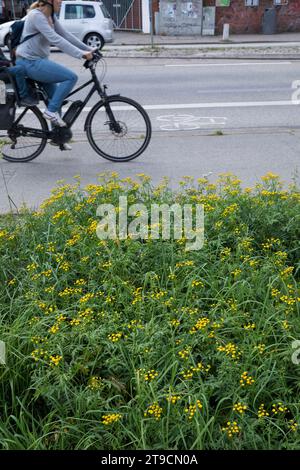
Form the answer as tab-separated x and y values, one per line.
126	14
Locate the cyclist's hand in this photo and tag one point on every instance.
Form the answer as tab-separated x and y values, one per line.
88	55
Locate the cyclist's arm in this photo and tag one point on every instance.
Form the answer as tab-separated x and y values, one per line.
70	37
41	24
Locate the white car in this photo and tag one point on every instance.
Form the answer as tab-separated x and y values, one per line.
89	21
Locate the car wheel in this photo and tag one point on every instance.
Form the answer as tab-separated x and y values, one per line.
7	40
94	40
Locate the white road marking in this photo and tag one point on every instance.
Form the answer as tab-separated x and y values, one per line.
231	104
229	65
188	122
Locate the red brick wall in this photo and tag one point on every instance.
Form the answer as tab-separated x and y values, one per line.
244	19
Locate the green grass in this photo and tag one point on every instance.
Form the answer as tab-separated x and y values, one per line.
128	344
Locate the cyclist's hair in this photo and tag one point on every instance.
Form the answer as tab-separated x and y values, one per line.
38	4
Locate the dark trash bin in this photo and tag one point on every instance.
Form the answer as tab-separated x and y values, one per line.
269	25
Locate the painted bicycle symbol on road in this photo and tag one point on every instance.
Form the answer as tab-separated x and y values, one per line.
188	122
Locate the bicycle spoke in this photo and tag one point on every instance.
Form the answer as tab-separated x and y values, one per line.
132	137
18	147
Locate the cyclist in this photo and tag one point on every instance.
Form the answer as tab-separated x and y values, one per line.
33	55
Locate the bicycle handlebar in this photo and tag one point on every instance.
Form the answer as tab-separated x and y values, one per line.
96	57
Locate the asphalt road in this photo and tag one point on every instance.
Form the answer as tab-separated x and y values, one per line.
189	102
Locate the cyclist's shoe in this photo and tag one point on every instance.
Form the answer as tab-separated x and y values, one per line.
29	101
61	146
54	118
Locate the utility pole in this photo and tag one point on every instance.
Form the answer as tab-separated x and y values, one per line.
151	21
13	9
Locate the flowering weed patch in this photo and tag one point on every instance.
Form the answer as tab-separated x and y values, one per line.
140	344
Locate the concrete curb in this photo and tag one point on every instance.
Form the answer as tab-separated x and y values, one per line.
290	51
273	57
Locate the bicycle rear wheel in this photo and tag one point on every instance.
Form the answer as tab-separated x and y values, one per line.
26	138
119	129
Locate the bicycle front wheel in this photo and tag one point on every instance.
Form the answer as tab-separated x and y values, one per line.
118	129
26	138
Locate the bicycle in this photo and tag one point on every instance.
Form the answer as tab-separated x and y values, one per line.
117	128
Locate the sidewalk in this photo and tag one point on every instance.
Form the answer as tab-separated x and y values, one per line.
130	38
128	44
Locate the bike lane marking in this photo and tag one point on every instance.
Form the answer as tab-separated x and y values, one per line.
189	122
242	64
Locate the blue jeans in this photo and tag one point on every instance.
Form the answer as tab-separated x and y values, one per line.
57	80
19	73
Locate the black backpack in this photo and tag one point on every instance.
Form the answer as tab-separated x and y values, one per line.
4	62
16	31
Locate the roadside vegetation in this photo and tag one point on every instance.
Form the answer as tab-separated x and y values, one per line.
130	344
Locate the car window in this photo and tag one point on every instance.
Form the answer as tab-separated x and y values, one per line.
105	11
72	12
88	11
77	12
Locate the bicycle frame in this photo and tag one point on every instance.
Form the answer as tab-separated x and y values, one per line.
96	88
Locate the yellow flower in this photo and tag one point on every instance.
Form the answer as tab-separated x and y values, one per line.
246	379
184	354
191	409
236	272
72	241
200	325
55	360
225	253
115	337
231	428
270	176
154	411
231	350
229	210
189	373
60	214
184	263
111	418
262	412
3	233
108	264
278	408
92	227
86	297
31	267
240	408
197	283
293	425
173	399
285	324
95	383
54	329
287	271
150	375
270	243
260	348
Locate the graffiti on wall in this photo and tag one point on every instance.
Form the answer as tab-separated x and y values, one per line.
180	17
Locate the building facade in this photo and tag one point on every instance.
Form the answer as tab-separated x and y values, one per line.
11	9
180	17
